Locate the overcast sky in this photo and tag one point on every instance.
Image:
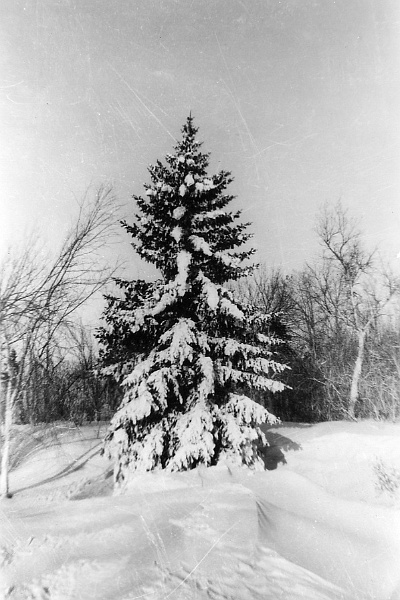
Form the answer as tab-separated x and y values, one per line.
298	98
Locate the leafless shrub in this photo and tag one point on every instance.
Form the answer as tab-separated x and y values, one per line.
387	478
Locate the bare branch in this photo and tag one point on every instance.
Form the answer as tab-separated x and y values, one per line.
39	296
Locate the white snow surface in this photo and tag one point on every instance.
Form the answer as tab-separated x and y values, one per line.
318	524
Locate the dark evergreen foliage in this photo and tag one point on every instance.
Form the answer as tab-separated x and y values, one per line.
186	352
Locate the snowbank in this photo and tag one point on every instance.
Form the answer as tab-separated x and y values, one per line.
301	530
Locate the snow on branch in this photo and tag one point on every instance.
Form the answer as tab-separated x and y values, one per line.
249	412
232	309
255	381
227	259
183	260
206	386
178	212
211	214
176	233
263	365
211	291
172	292
179	340
230	347
241	418
200	245
196	441
141	407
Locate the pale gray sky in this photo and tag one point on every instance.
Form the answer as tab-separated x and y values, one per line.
298	98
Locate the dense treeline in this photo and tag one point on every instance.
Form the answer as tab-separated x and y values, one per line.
61	387
321	312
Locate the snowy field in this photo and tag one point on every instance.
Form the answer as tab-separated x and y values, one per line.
323	522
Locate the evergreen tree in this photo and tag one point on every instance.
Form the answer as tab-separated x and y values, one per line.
186	353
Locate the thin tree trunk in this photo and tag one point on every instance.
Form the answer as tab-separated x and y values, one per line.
362	334
5	451
2	394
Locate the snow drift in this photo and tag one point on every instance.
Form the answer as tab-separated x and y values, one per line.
215	533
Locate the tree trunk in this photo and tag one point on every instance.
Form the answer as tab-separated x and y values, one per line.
5	451
362	334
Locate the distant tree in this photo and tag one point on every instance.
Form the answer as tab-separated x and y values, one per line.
341	318
88	396
324	343
361	291
38	297
68	386
186	352
339	306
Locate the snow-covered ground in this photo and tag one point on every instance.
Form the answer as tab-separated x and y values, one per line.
322	523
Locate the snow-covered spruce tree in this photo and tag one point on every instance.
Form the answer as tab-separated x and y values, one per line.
186	353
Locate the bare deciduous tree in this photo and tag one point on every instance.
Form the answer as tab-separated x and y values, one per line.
336	313
39	295
364	289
